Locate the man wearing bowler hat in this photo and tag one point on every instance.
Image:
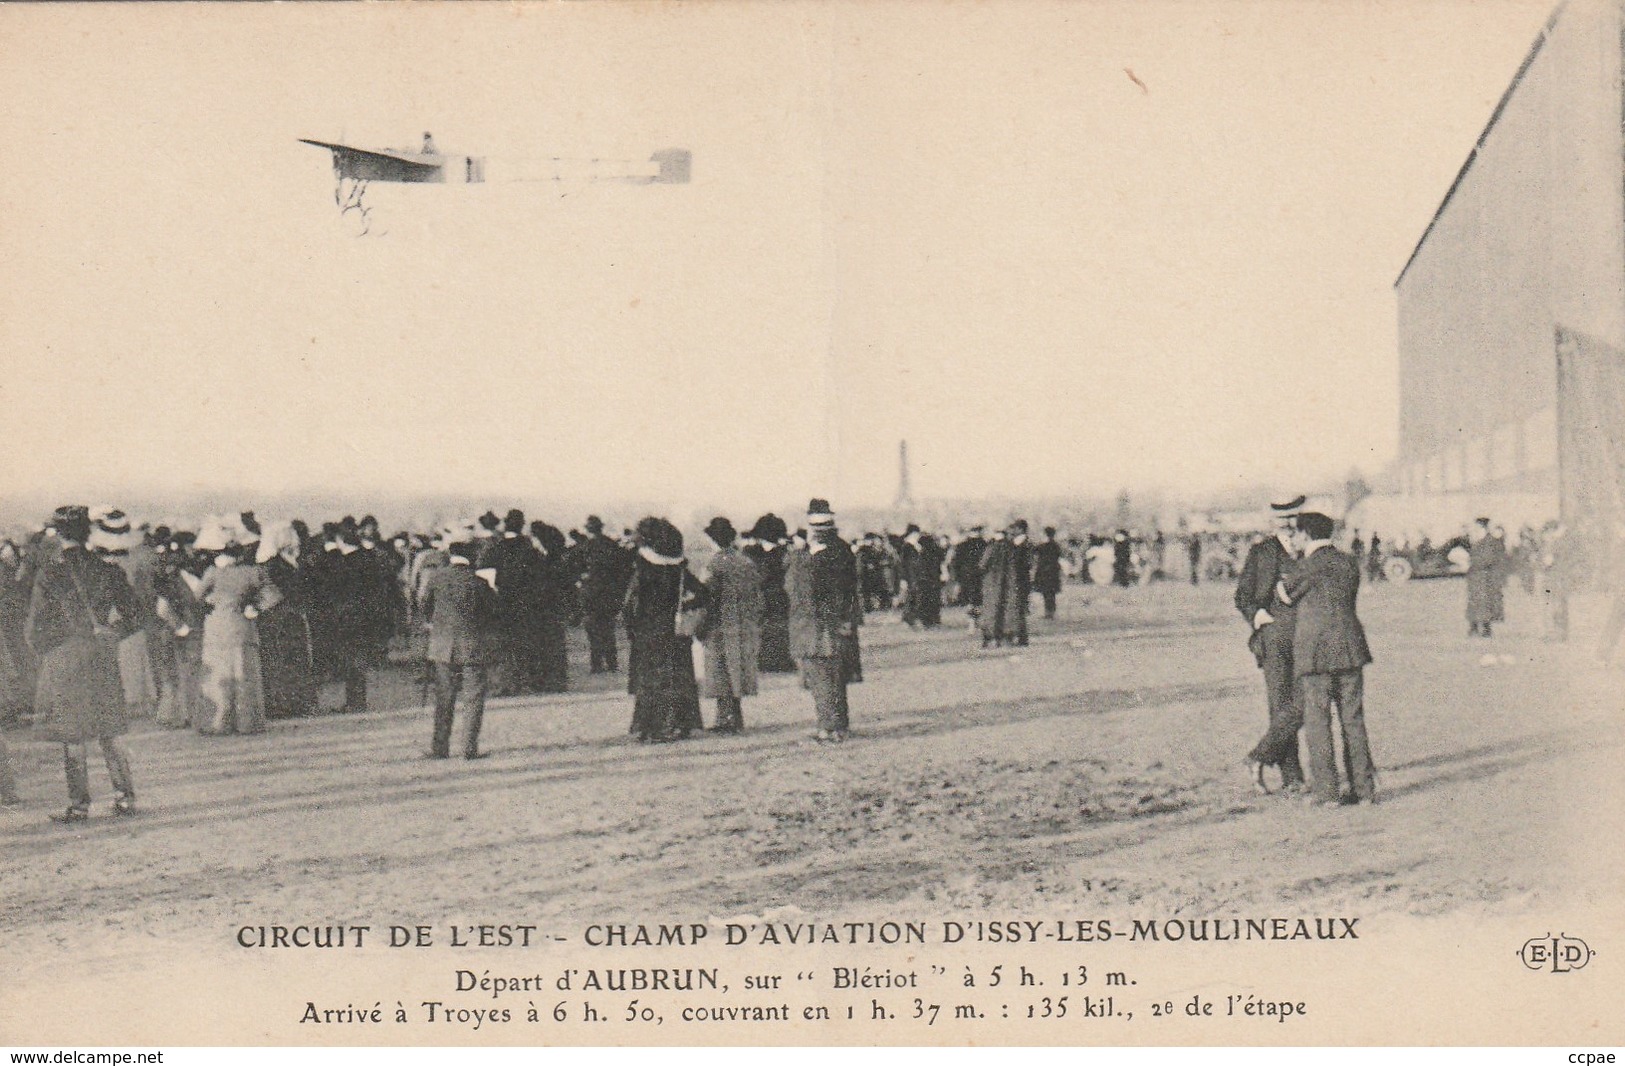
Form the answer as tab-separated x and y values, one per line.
604	568
81	608
1272	622
1329	654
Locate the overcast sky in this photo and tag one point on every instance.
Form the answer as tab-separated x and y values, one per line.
963	224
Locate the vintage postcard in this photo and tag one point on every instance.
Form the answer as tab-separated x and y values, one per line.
832	524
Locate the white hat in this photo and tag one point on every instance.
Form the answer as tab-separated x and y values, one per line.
213	537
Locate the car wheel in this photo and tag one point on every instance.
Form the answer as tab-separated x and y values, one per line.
1397	569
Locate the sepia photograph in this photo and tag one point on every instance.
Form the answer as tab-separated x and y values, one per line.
921	522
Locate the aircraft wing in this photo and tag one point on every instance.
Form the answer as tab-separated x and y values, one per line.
369	164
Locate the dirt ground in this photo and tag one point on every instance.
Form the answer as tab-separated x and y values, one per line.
1097	771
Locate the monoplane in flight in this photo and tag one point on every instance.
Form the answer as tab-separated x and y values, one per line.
355	168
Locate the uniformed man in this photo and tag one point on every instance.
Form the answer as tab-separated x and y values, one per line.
1272	623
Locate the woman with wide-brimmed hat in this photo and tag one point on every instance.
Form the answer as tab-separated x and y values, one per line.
767	545
80	609
235	592
666	695
112	538
178	640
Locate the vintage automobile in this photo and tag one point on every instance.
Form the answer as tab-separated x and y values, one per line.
1427	560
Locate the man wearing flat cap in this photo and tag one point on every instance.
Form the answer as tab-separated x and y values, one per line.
80	609
1272	624
825	612
733	626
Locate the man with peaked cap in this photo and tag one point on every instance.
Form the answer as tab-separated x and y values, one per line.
80	609
1272	626
1329	656
825	612
733	626
603	568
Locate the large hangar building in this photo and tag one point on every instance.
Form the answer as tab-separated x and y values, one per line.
1512	305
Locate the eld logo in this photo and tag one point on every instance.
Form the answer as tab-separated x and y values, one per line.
1558	954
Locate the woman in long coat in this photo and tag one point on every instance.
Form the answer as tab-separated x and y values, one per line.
768	552
733	627
1006	587
235	593
288	673
178	644
666	695
113	540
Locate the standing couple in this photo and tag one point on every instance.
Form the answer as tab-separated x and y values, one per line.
1298	593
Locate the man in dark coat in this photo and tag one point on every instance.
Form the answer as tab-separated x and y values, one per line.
81	607
1007	576
825	612
1273	626
519	579
1329	654
1122	559
552	609
967	567
924	574
604	568
1047	570
872	562
1487	571
461	610
355	591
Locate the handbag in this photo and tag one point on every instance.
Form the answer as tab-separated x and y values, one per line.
690	621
